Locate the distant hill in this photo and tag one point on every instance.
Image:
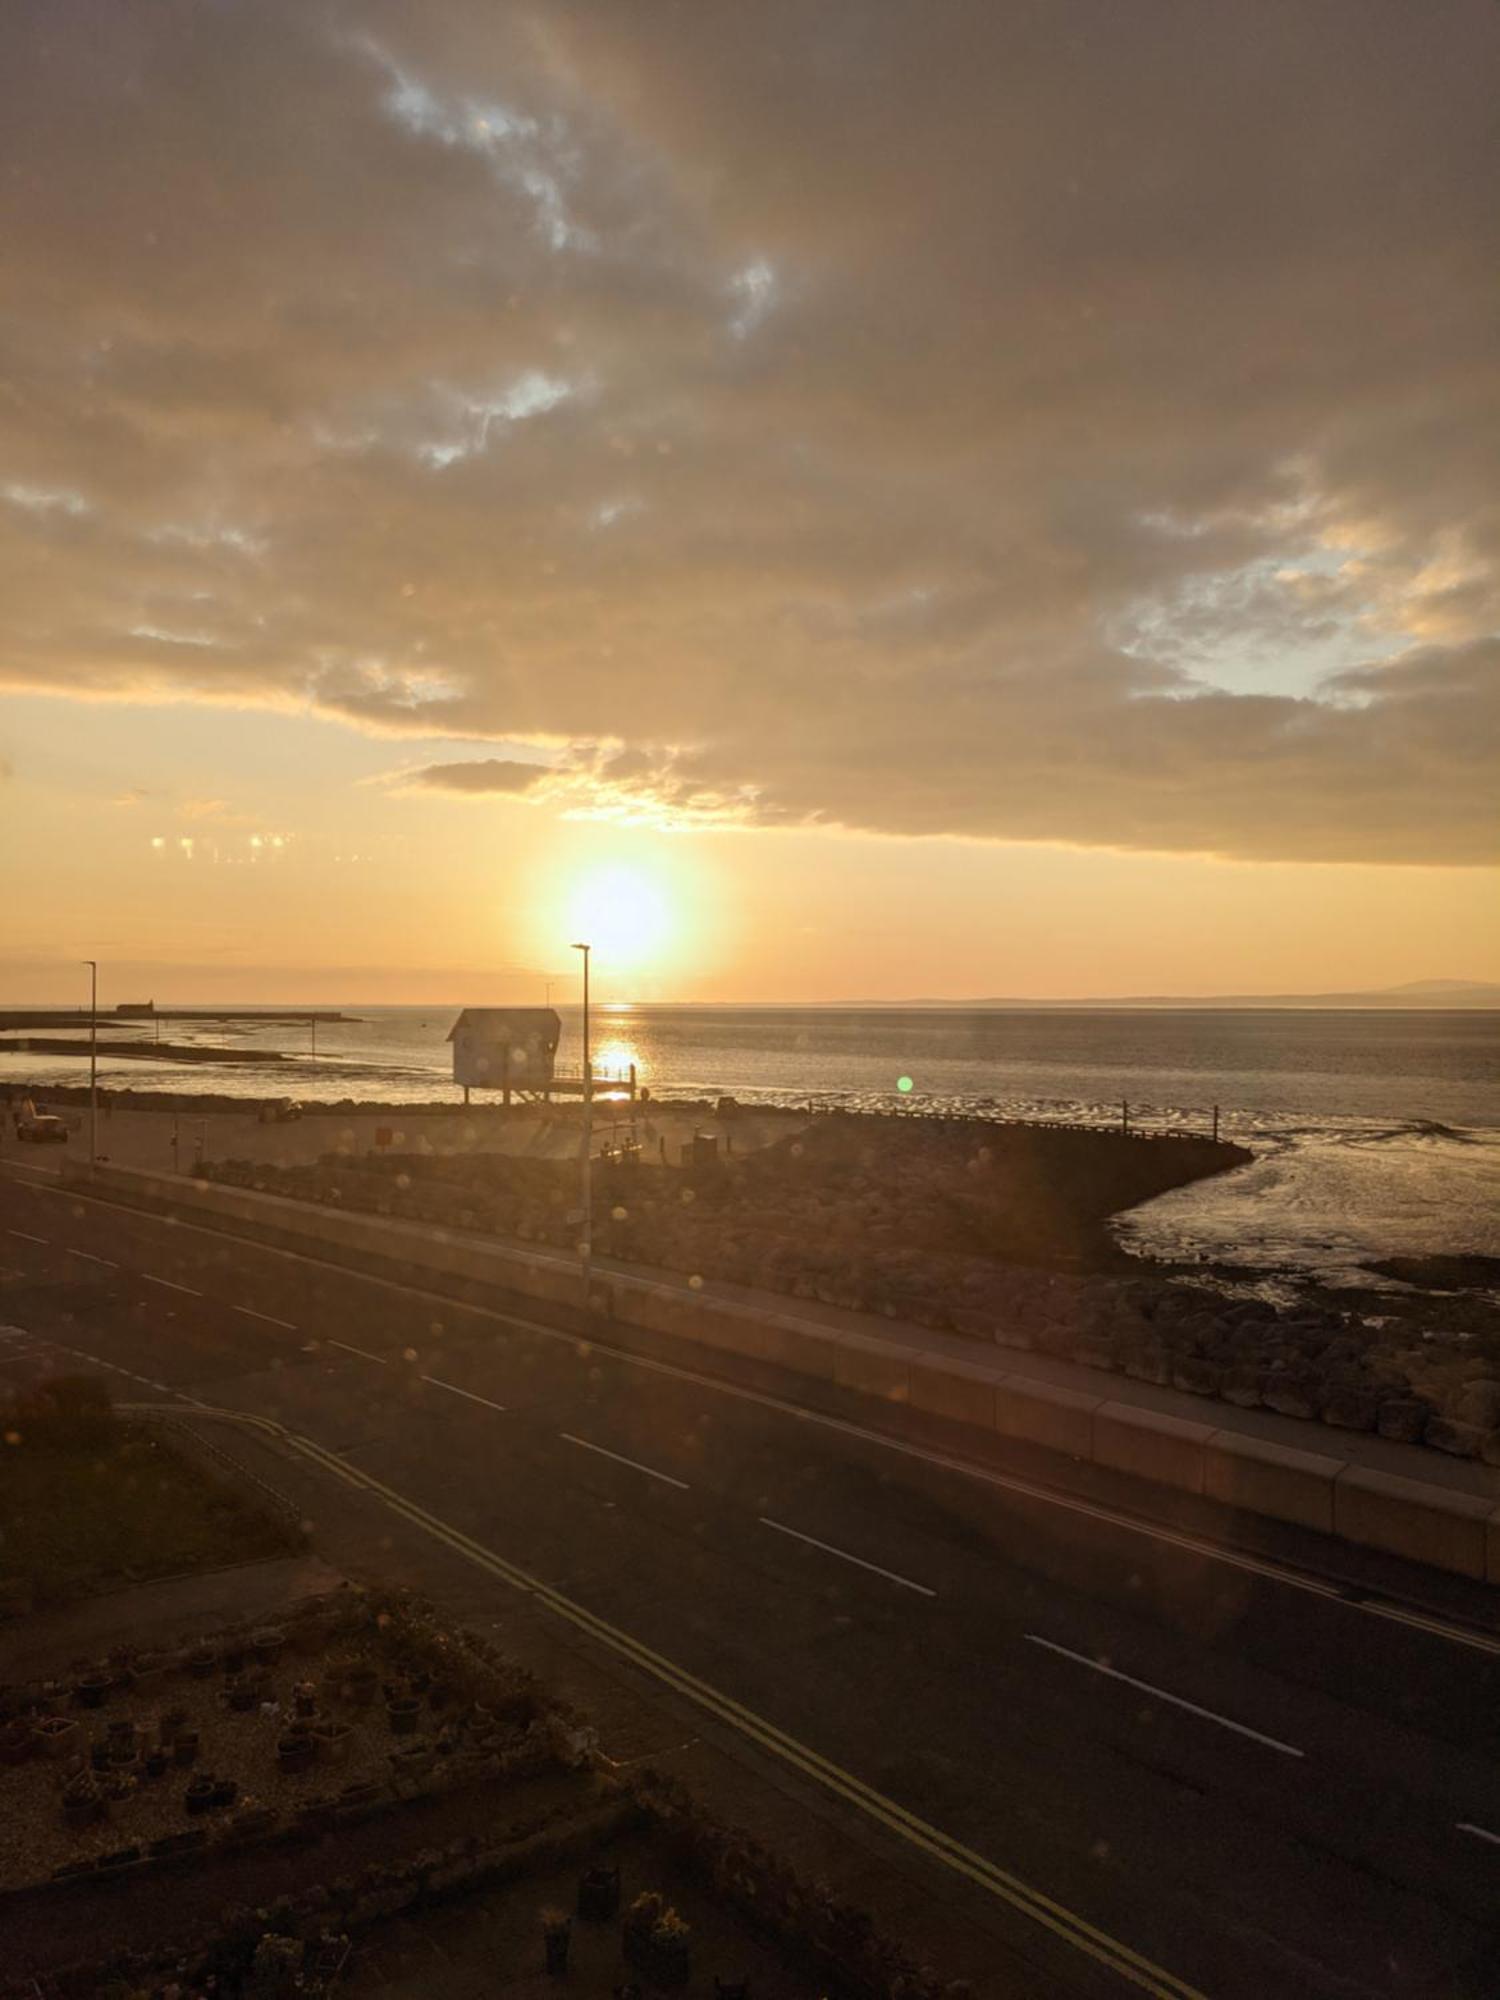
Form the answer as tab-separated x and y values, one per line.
1435	994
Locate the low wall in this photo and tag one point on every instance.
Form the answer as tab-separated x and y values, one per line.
1424	1523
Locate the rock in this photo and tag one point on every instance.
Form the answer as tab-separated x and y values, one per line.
1352	1407
1462	1440
1241	1387
978	1325
1013	1333
1095	1350
1479	1403
1195	1377
1402	1418
1151	1364
1292	1394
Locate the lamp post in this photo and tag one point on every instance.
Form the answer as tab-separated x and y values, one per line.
586	1237
93	966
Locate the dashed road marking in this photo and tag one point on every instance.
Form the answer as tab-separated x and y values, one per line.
26	1236
349	1348
1198	1546
108	1262
620	1459
1479	1832
1062	1923
171	1284
269	1318
1161	1694
468	1394
859	1562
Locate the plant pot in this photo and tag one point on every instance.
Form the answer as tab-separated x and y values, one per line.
82	1805
201	1662
599	1895
93	1690
185	1748
171	1726
155	1764
403	1715
669	1960
57	1735
266	1644
240	1696
332	1740
199	1795
296	1754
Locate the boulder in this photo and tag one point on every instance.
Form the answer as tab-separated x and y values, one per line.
1351	1407
1402	1418
1462	1440
1241	1386
1151	1363
1195	1377
1291	1393
1479	1403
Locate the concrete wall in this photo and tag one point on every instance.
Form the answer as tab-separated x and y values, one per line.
1258	1477
1423	1522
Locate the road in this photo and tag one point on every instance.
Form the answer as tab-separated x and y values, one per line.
1263	1790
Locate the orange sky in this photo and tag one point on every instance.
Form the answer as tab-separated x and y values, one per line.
841	502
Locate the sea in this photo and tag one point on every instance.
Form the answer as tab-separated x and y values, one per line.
1376	1133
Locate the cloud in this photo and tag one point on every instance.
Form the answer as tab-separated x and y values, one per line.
489	774
1066	423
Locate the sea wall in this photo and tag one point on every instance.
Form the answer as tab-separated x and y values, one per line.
1421	1521
997	1233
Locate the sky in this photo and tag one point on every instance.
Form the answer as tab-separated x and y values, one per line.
845	501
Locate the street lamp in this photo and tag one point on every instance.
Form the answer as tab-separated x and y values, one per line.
586	1237
93	966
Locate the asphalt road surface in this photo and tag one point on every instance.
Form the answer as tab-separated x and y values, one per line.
1260	1790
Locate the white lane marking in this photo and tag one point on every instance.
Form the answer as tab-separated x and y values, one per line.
378	1359
454	1390
1160	1694
109	1262
1196	1545
25	1167
171	1284
844	1555
270	1320
26	1236
620	1459
1479	1832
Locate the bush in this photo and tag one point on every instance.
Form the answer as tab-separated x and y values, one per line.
67	1413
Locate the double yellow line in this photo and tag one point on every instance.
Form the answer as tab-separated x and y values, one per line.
1131	1966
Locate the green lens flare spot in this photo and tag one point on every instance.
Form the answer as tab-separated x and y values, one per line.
904	1084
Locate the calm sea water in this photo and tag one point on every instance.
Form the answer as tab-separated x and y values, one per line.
1375	1133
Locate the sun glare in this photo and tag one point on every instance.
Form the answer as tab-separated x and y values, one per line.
625	915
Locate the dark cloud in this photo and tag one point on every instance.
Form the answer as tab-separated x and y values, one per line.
1048	421
488	774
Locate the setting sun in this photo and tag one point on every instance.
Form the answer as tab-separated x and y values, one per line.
625	914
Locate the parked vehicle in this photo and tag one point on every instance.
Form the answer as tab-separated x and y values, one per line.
279	1110
42	1128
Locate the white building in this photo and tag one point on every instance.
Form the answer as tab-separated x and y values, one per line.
505	1048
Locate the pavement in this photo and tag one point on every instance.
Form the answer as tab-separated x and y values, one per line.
1243	1785
162	1613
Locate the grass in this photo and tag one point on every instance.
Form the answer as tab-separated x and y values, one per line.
75	1519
